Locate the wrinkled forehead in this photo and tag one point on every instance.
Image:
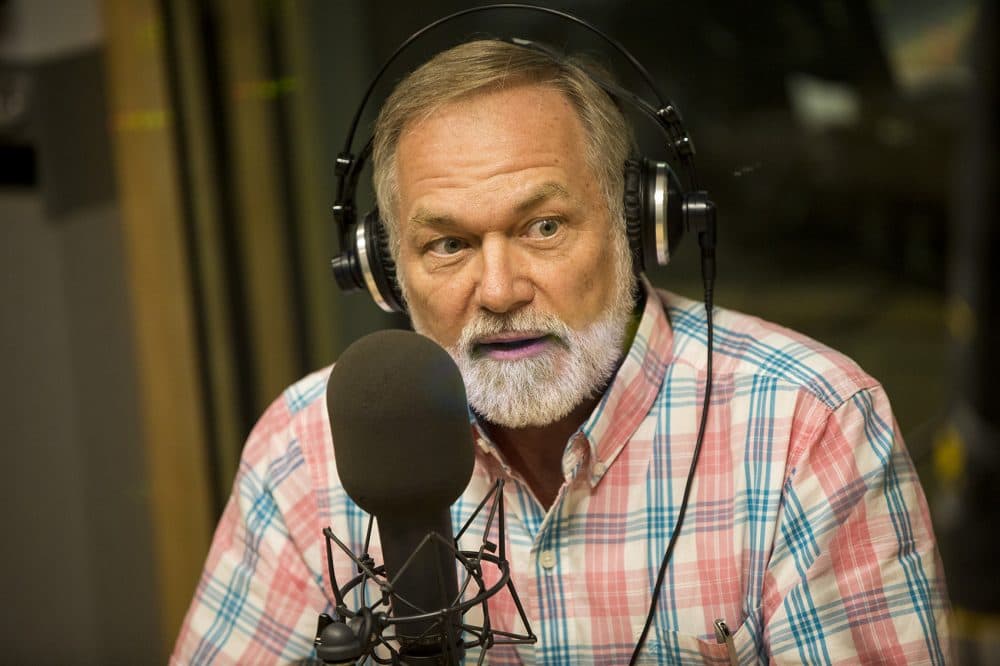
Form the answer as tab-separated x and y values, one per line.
525	134
512	102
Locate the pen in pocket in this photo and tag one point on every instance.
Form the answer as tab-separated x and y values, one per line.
723	635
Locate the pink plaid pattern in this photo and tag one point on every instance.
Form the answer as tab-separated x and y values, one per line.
807	530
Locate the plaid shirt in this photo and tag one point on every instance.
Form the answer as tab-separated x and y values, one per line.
807	530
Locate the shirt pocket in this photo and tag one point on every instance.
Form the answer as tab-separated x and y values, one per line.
677	648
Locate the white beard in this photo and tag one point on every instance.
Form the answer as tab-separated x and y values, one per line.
542	389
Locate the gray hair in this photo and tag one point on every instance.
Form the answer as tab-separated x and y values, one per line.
487	65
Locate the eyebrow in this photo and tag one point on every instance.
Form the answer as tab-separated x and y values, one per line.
544	192
424	217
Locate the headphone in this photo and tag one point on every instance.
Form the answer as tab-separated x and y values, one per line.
658	210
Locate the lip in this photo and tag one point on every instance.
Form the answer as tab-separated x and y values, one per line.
510	336
513	346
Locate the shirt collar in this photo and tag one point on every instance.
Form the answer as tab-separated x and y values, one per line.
631	394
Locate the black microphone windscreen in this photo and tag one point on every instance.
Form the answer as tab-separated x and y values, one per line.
400	425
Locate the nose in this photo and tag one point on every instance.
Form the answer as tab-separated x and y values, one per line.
503	285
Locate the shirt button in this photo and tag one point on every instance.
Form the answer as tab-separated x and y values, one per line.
599	468
547	559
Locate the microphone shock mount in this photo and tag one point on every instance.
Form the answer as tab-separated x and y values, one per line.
392	630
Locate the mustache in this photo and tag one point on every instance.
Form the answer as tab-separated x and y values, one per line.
488	324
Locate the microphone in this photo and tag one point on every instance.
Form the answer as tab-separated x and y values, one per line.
404	453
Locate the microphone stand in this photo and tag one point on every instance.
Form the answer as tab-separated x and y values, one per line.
350	635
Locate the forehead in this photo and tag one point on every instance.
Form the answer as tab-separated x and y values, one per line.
509	106
483	134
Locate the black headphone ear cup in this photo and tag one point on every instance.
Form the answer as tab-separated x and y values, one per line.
381	266
634	209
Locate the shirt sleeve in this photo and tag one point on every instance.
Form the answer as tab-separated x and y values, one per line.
256	601
855	576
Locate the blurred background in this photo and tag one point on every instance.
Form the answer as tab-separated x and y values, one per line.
166	172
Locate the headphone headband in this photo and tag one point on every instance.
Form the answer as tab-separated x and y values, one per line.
495	7
664	113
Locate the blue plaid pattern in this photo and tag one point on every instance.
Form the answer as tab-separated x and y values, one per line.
807	530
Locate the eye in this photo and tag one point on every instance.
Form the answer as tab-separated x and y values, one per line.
447	246
544	228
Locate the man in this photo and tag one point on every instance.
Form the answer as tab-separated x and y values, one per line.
499	175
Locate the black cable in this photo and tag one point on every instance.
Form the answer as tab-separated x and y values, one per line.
709	287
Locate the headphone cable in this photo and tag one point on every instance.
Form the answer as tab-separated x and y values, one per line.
707	242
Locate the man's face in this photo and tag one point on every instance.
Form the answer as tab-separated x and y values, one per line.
507	255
